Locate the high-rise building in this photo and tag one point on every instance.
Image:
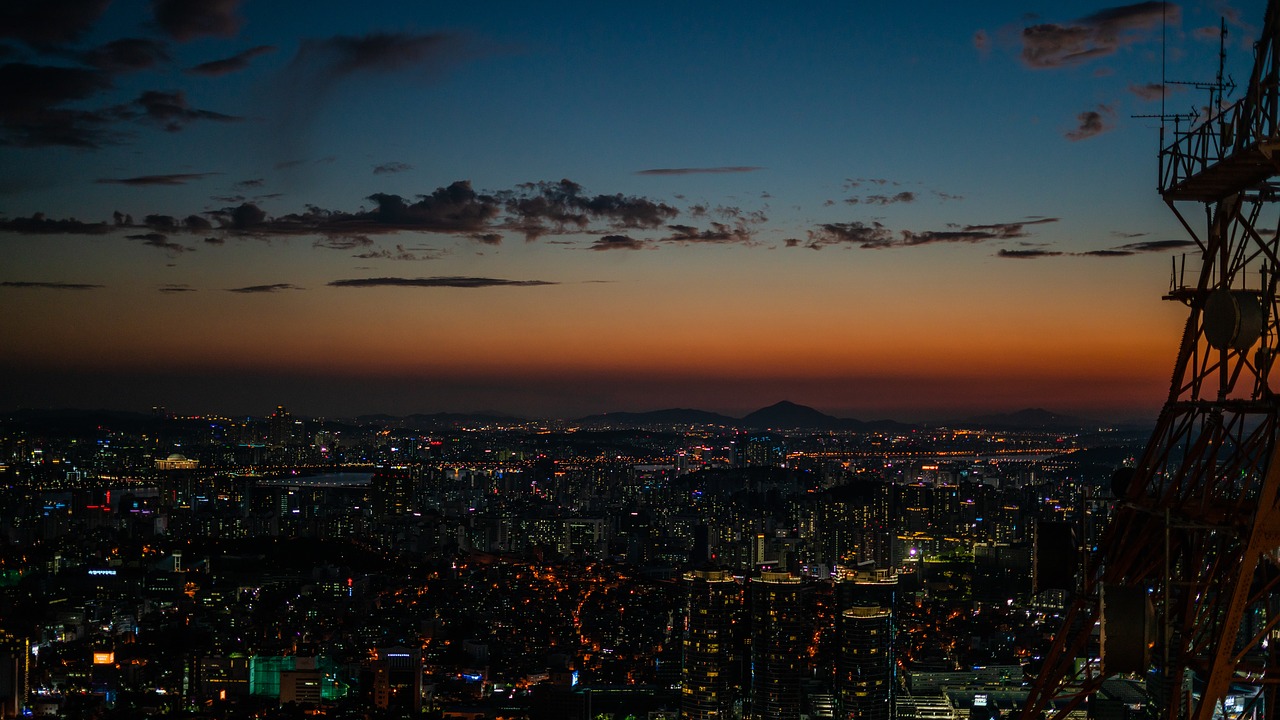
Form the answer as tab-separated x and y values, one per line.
15	654
780	634
706	690
393	489
864	672
865	606
280	427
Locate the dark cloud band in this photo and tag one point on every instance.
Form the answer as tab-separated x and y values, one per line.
438	282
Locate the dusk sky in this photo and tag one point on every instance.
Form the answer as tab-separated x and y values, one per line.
913	210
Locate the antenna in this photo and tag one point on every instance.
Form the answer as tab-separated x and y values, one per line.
1219	89
1221	85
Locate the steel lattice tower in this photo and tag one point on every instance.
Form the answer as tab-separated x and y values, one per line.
1196	534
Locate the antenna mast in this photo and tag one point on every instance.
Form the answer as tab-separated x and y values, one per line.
1185	584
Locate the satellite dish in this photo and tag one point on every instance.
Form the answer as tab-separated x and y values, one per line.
1232	319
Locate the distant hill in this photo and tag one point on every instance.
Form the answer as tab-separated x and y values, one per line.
787	415
784	415
672	416
1030	419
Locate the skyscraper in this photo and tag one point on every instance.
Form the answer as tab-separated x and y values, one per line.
780	632
706	691
864	672
865	606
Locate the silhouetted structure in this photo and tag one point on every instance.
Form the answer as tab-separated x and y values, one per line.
1195	536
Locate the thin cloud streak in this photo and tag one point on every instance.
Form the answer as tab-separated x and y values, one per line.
701	171
438	282
35	285
259	289
172	179
235	63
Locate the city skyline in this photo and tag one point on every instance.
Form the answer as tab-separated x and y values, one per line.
916	214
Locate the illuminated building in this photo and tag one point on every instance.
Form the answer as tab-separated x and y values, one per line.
301	686
397	679
706	693
779	640
864	673
854	524
280	427
865	601
15	654
177	461
393	489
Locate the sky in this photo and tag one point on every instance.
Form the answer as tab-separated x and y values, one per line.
913	211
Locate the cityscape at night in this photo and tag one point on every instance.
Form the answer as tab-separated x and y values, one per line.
592	361
471	567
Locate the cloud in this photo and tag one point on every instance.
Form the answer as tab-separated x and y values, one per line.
172	112
127	55
1010	229
535	209
860	234
1051	45
543	207
456	208
1156	245
171	179
1149	91
399	253
981	41
876	236
453	209
251	183
1090	123
40	23
619	242
242	217
215	241
38	224
442	281
1106	253
171	289
320	64
854	183
1027	254
232	64
718	233
902	197
254	289
391	167
168	223
31	114
48	285
700	171
188	19
1208	32
159	240
1129	250
343	243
